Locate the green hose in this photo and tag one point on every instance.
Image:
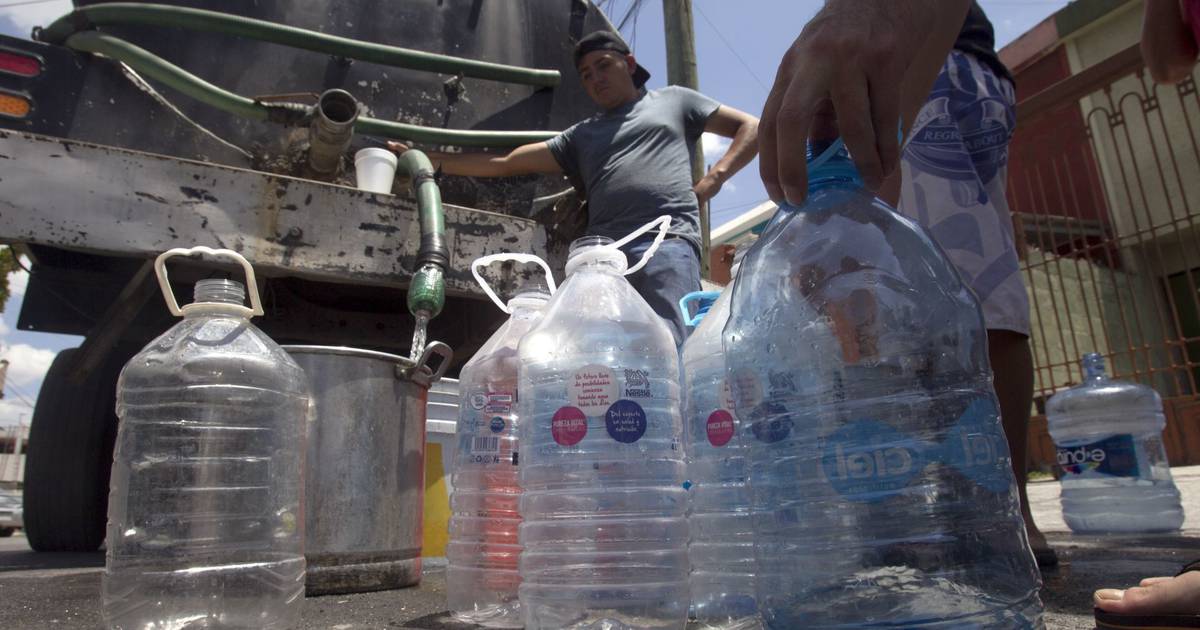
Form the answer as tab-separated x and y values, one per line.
191	85
120	13
427	291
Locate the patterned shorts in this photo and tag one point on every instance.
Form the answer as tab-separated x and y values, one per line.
955	168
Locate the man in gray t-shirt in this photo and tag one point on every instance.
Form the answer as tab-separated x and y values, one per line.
633	162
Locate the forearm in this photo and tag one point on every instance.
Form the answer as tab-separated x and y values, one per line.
741	151
1168	46
944	21
469	164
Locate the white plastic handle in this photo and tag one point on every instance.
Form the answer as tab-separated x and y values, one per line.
664	223
484	261
160	269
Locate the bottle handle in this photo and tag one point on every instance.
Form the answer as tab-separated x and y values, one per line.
694	296
160	269
663	222
484	261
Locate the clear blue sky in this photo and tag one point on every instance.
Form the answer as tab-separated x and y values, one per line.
738	46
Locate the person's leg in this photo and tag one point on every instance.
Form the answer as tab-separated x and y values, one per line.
672	273
1012	369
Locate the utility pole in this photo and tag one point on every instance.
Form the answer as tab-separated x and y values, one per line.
681	70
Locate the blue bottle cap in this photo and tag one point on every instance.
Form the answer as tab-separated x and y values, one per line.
829	164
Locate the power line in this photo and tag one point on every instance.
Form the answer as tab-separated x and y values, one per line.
739	206
21	397
745	65
20	392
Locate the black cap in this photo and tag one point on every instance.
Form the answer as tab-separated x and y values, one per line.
607	40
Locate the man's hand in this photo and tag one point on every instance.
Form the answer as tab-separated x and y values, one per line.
707	187
397	147
858	56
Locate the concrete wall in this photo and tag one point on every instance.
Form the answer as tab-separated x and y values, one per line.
1079	307
1146	137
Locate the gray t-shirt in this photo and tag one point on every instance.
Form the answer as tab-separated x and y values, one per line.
635	162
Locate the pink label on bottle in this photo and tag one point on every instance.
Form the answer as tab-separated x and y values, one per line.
568	426
719	427
593	388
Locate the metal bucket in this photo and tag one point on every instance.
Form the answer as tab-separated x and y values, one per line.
364	473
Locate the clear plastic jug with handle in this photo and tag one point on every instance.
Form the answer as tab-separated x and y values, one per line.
482	555
604	529
722	534
882	487
205	522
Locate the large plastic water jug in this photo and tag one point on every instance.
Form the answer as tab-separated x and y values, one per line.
722	534
205	521
481	576
1115	475
882	488
604	529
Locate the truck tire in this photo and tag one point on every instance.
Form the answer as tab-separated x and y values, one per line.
69	458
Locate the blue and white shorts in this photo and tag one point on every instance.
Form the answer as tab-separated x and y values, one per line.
955	168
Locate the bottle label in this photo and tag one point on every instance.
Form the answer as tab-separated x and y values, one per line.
719	428
625	421
493	402
776	424
726	395
746	388
568	426
637	384
868	460
977	448
1114	456
593	389
484	444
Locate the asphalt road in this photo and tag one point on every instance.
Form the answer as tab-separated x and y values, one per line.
63	590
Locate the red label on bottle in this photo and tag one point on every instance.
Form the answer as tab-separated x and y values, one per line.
720	428
568	426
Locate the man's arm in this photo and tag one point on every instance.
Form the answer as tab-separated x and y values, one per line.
523	160
1168	45
870	62
743	128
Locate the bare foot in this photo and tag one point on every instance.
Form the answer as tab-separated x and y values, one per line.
1178	595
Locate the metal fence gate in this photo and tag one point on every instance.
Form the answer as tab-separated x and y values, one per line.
1104	185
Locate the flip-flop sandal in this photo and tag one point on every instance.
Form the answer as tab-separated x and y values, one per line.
1114	621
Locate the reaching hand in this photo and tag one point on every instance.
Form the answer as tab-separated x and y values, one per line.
852	58
397	147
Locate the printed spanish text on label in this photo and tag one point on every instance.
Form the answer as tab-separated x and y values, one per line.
719	428
625	421
568	426
593	389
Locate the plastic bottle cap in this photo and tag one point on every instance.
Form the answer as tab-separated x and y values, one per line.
830	163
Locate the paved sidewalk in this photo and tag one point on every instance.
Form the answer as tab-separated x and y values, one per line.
63	590
1092	562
